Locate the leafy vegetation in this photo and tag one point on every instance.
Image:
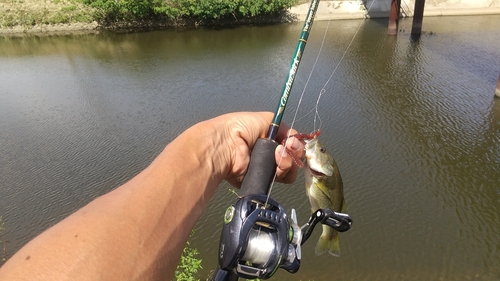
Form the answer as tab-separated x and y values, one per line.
28	13
141	10
189	265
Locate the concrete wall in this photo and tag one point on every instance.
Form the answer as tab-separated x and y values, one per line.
380	8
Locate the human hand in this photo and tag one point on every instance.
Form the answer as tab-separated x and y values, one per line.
237	134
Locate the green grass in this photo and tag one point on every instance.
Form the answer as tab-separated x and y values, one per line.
33	12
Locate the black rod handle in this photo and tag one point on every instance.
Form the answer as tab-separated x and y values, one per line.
261	170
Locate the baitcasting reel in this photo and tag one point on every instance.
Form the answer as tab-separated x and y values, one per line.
258	238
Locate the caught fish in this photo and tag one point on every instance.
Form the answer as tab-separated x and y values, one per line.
324	188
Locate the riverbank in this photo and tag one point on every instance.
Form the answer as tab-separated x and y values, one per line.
19	17
69	16
33	16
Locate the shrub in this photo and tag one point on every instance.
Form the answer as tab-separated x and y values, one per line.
139	10
189	265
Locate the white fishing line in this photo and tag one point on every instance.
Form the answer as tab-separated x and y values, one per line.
309	79
323	89
297	111
317	116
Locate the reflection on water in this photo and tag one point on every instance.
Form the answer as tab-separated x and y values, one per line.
414	128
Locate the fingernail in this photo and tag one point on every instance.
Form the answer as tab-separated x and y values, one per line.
279	149
296	145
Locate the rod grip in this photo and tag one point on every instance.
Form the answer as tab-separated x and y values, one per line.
261	169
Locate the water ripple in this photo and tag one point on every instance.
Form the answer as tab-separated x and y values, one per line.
413	126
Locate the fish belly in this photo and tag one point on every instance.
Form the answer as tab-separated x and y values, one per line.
322	195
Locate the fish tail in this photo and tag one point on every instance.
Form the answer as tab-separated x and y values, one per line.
328	241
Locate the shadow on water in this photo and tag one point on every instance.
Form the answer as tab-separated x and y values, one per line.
374	5
112	45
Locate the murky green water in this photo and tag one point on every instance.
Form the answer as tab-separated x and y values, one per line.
414	128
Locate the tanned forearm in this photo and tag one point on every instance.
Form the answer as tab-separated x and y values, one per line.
133	232
138	231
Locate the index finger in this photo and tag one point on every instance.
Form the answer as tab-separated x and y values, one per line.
284	132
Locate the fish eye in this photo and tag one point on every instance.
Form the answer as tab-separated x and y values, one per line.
322	149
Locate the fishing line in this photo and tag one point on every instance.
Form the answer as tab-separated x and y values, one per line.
323	89
317	117
294	119
309	78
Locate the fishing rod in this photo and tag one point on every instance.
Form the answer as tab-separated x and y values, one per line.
262	167
258	237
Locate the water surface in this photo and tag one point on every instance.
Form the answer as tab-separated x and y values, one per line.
413	125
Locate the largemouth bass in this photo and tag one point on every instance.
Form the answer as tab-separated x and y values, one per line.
325	190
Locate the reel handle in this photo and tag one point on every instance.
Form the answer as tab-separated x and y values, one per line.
261	169
339	221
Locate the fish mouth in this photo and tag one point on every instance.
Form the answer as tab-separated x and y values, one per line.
316	173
